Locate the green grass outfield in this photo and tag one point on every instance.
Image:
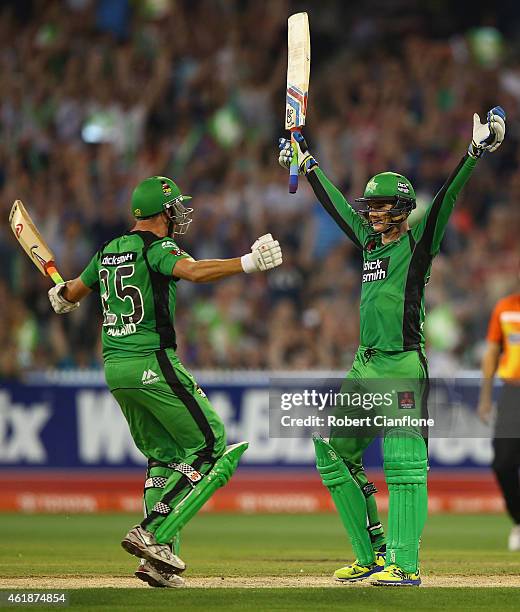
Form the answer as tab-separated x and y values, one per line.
467	549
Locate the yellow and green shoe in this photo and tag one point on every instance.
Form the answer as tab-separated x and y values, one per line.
395	576
357	572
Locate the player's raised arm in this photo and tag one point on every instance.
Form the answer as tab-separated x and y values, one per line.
486	137
266	254
328	194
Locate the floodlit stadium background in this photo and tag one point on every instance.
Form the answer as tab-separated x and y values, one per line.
98	95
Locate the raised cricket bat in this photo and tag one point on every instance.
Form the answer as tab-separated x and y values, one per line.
298	73
33	244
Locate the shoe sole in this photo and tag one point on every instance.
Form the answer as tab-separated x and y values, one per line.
360	578
410	583
151	581
144	553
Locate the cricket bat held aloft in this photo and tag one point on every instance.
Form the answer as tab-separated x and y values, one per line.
298	73
33	244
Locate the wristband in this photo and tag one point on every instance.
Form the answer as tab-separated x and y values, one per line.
475	151
309	164
248	263
59	294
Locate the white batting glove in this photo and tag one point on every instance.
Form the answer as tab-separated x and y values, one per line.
265	255
261	240
58	302
306	161
488	136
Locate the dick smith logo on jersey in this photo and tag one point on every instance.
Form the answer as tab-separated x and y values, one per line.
375	270
117	259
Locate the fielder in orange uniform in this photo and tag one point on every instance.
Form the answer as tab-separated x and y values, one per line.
502	357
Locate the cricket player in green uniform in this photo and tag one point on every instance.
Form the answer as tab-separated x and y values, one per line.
396	267
171	420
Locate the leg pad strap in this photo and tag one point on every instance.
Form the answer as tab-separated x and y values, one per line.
369	489
155	482
187	470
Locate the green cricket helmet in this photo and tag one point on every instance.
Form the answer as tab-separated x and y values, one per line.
388	188
159	194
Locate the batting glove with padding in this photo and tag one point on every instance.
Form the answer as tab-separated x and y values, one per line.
58	302
306	161
488	136
266	254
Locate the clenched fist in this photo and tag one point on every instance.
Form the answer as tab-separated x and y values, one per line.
266	254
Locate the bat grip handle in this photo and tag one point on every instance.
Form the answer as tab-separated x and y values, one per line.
50	268
293	170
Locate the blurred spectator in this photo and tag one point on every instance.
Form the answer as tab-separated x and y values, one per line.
97	95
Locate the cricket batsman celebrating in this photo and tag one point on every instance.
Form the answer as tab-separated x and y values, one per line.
171	420
397	262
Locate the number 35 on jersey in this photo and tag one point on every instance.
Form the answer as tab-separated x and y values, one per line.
115	273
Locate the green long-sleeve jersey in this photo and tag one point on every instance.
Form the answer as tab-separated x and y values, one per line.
134	277
394	274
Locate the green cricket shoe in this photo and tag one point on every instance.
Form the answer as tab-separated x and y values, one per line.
357	572
395	576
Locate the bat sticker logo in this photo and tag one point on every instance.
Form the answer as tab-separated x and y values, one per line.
19	229
37	257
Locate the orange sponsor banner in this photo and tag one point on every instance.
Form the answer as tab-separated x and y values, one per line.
258	492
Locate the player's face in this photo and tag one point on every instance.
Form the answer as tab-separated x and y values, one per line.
379	215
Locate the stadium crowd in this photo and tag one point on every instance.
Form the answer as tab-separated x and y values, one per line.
96	96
